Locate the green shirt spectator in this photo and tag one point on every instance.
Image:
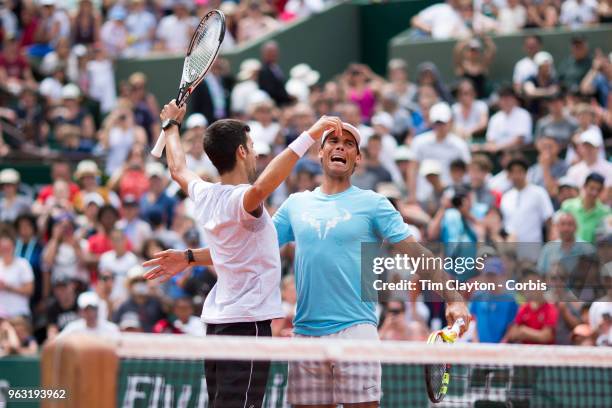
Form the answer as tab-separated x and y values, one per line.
588	219
576	66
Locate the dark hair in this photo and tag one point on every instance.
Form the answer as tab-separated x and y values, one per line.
221	140
458	164
29	218
595	177
517	161
507	91
107	208
535	37
459	197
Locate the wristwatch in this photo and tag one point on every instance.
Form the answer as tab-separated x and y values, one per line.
168	123
189	256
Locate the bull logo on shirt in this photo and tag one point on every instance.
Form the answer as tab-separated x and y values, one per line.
330	223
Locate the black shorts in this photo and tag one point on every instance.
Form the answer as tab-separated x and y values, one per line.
237	384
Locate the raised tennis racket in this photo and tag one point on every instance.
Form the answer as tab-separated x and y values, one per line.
437	376
201	54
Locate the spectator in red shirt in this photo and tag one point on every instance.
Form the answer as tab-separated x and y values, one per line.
101	242
131	178
14	67
536	319
60	170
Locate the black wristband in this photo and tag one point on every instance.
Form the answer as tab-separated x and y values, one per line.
189	255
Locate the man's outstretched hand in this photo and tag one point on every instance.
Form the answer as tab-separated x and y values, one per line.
166	264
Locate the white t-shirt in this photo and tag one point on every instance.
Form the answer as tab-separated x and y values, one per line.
176	33
119	266
525	212
472	119
577	14
512	20
264	134
580	171
193	327
426	146
443	20
104	328
524	69
245	253
241	95
17	274
504	127
102	83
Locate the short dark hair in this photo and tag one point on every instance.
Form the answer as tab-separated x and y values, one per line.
482	162
107	208
517	161
535	37
221	140
29	218
595	177
507	91
458	164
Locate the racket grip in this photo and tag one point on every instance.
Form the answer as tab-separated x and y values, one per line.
158	149
456	329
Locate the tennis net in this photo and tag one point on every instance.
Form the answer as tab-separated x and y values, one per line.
168	371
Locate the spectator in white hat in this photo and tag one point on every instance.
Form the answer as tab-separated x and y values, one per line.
73	113
87	175
406	91
301	79
590	143
90	322
430	170
542	85
12	204
248	74
140	24
195	156
264	127
439	144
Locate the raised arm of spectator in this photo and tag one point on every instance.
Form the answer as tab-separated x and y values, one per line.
418	23
489	51
458	51
586	85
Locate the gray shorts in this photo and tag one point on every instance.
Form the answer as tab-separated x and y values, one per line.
317	382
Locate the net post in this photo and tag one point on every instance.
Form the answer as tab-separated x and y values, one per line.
85	366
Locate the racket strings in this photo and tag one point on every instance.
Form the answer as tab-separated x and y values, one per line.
204	50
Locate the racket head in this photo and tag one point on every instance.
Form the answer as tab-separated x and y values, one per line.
437	376
201	53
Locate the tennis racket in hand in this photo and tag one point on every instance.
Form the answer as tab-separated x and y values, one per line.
201	53
437	376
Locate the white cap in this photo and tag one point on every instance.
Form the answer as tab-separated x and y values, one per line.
592	137
262	148
440	112
430	166
195	120
93	198
9	176
47	2
542	58
71	91
88	299
135	272
129	320
155	169
383	119
567	182
397	63
79	50
388	190
86	167
257	97
304	74
403	153
351	129
247	68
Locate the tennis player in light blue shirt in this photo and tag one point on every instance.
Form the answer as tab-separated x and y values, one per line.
328	226
328	230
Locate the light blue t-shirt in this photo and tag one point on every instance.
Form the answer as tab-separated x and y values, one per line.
328	231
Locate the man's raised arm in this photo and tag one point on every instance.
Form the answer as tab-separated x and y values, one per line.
174	150
281	166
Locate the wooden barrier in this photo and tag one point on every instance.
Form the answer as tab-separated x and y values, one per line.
86	367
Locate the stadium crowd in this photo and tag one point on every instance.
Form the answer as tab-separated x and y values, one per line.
464	161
